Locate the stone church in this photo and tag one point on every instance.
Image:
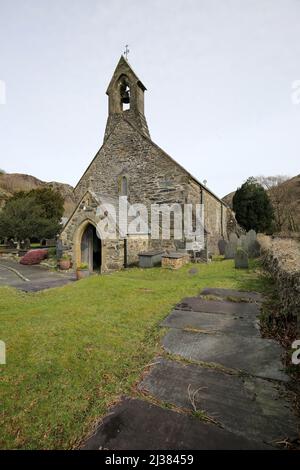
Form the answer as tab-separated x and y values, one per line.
130	163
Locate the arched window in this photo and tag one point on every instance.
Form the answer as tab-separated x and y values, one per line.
124	186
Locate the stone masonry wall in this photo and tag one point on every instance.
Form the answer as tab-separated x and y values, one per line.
135	245
152	178
112	251
281	258
215	214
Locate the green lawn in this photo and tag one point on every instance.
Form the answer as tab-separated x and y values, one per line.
73	351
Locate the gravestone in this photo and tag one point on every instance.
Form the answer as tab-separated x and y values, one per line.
229	251
222	246
59	249
243	242
202	256
251	235
27	244
254	251
231	247
253	247
234	240
50	242
11	243
241	259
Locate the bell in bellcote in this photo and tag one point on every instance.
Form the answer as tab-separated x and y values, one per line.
125	93
125	97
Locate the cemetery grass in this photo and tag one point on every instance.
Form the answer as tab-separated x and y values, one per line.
73	351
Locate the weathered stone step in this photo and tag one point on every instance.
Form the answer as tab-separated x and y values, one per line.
256	356
239	295
210	322
254	408
197	304
136	425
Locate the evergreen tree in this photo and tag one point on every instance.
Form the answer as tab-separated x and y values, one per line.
253	208
33	214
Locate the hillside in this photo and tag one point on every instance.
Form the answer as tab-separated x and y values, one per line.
286	202
10	183
228	199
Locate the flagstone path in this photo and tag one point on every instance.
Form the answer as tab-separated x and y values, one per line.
219	385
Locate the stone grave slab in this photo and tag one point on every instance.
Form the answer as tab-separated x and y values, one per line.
252	296
256	356
255	408
197	304
225	323
136	424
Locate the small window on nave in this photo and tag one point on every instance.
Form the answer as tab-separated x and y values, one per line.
124	186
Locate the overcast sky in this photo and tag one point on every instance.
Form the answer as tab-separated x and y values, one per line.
219	77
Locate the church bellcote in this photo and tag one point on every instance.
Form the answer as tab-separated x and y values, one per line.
126	99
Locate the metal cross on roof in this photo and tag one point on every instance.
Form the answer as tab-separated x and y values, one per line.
126	52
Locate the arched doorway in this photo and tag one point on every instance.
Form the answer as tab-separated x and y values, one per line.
91	248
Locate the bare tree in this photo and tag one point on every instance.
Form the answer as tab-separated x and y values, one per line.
269	182
284	204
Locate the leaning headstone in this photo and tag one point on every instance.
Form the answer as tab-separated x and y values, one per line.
222	245
241	259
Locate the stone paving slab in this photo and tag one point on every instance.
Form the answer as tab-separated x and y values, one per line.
256	356
210	322
136	424
197	304
8	278
255	408
40	277
247	296
36	286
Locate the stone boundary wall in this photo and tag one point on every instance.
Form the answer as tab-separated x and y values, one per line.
281	258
